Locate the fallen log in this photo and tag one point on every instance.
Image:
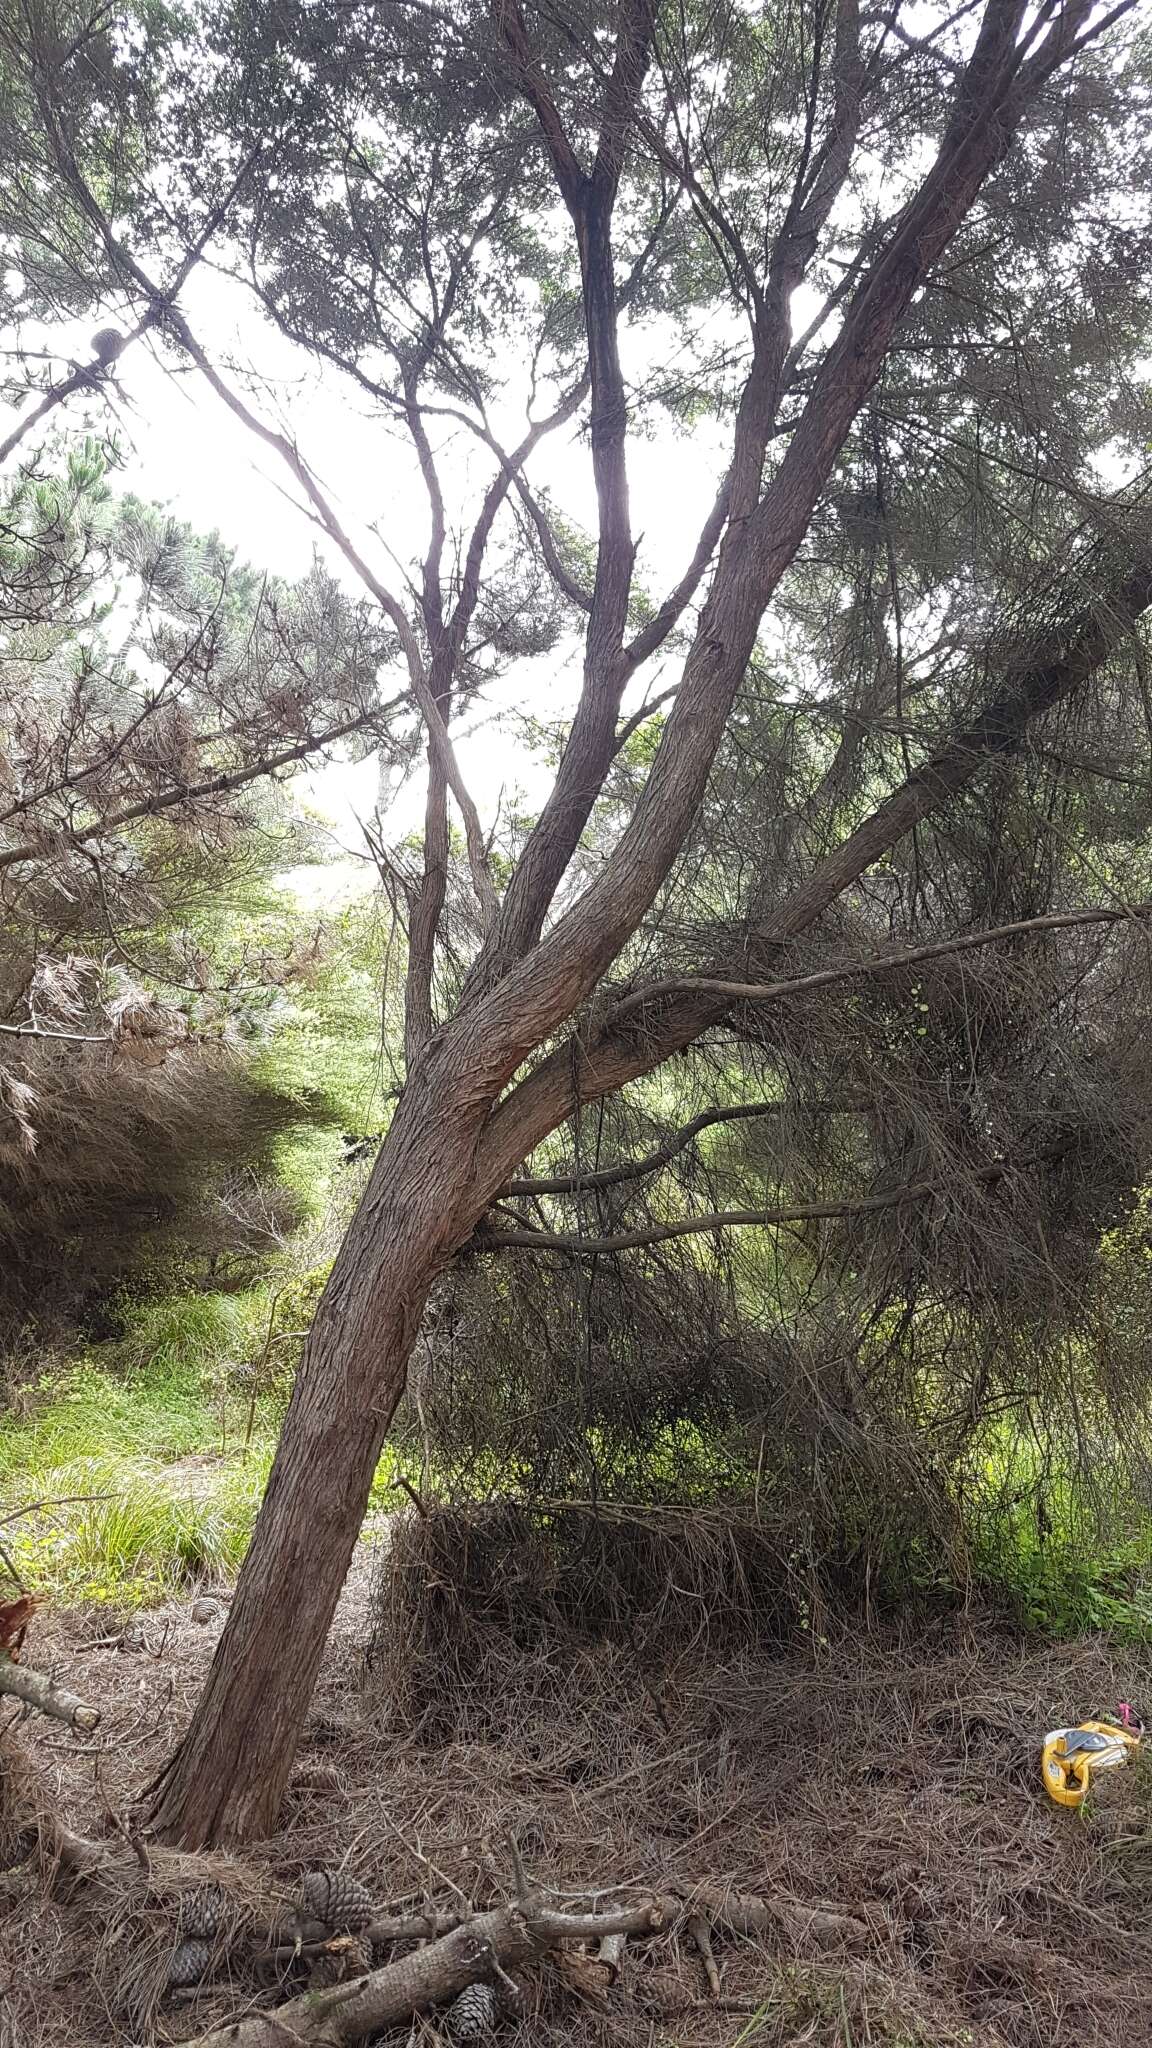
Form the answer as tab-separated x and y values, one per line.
472	1947
484	1945
37	1689
713	1905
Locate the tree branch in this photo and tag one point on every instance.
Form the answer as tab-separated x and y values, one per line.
571	178
652	636
757	550
646	1038
591	741
652	1162
881	963
37	1689
216	785
162	303
728	1219
481	1946
349	2013
87	375
421	690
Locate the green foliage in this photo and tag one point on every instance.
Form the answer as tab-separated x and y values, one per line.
1048	1556
175	1338
90	1411
1061	1591
139	1498
134	1539
151	950
150	1455
336	1033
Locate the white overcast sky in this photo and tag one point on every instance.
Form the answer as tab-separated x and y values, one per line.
188	452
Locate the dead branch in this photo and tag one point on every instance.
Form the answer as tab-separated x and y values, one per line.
739	1913
701	1935
611	1953
37	1689
510	1935
309	1938
470	1947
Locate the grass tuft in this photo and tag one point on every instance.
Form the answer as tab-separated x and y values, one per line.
143	1459
126	1532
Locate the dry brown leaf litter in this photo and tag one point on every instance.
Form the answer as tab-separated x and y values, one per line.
892	1782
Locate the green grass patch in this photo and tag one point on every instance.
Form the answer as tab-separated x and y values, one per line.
142	1456
92	1413
187	1338
118	1531
140	1501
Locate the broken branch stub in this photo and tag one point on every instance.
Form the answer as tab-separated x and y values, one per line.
36	1689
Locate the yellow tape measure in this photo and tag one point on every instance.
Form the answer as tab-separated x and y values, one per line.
1071	1755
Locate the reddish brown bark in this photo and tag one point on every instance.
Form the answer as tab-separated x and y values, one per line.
228	1777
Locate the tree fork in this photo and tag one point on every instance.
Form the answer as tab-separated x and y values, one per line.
443	1160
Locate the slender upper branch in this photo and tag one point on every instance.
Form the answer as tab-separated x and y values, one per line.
561	971
739	1219
162	303
86	376
590	199
654	633
676	1142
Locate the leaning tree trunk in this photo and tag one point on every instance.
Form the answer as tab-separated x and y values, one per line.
227	1779
429	1187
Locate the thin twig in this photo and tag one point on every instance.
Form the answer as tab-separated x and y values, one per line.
701	1935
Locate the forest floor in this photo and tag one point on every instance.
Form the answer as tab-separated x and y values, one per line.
893	1782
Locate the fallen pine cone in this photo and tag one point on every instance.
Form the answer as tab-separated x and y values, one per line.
473	2013
340	1901
202	1913
191	1961
662	1994
316	1778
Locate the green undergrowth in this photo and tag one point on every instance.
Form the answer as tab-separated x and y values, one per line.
1065	1542
1070	1585
138	1473
125	1490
